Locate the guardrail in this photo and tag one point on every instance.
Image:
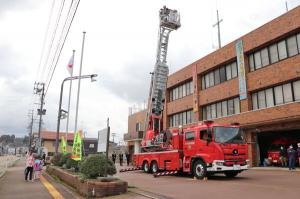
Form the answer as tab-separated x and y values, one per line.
7	161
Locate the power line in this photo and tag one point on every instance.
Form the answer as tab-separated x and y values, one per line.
63	44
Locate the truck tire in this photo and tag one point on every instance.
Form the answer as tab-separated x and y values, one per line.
231	174
146	167
154	167
199	169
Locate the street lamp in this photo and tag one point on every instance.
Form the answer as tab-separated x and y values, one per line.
93	76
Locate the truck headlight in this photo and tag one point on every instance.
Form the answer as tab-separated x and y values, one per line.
219	163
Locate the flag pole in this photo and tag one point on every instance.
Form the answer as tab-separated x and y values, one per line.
78	92
70	93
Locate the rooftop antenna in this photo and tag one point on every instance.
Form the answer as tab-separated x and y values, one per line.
218	25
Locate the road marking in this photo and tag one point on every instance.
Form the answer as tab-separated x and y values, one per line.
54	193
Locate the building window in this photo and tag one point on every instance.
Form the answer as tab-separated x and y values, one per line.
211	79
181	118
221	109
296	89
228	72
273	53
282	50
217	76
222	74
257	60
292	46
234	70
275	96
137	127
265	57
181	91
278	51
92	146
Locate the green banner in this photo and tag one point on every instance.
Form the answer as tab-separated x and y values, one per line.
77	147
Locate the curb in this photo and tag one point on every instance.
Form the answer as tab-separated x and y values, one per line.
273	169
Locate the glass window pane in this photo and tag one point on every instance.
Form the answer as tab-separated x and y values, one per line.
296	87
265	57
237	105
213	111
251	62
204	114
208	110
224	108
171	95
170	121
298	42
174	94
183	90
234	69
180	92
184	118
191	87
282	50
261	99
257	60
254	101
278	95
230	107
192	116
287	93
217	76
273	53
188	89
211	79
269	97
219	109
188	117
203	82
207	81
228	72
292	46
222	74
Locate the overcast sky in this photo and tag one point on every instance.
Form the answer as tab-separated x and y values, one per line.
120	47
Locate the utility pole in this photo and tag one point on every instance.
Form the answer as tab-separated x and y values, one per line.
31	129
40	89
218	25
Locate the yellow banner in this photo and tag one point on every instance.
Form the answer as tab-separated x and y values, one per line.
77	147
63	145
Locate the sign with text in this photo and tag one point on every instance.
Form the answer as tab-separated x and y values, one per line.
102	140
241	69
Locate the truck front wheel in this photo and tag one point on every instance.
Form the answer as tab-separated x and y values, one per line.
154	167
231	174
146	167
199	169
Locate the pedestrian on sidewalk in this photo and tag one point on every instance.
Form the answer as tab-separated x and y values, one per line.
292	157
121	159
29	166
282	157
37	169
113	157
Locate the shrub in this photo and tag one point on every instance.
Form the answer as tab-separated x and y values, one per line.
94	166
64	158
56	159
71	163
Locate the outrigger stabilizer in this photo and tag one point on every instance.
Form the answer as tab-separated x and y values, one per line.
129	169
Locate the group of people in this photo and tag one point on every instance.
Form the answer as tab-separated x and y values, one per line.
121	158
34	166
291	154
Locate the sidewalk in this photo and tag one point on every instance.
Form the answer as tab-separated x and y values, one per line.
13	185
275	169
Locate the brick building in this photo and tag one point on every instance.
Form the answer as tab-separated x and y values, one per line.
254	80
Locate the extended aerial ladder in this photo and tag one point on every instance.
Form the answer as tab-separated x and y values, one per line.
169	21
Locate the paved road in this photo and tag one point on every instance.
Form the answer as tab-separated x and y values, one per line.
250	184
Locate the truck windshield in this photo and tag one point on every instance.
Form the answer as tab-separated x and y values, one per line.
228	135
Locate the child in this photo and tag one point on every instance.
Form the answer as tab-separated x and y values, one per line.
37	168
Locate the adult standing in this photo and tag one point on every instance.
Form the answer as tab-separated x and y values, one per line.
292	157
127	158
298	153
282	158
29	166
121	159
114	156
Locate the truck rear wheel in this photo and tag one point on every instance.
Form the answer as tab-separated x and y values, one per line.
146	167
154	167
199	169
231	174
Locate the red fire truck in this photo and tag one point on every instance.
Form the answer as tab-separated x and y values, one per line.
202	150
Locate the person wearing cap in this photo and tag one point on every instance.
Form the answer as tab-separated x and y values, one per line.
292	157
298	153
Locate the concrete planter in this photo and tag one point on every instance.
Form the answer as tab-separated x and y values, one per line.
89	187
